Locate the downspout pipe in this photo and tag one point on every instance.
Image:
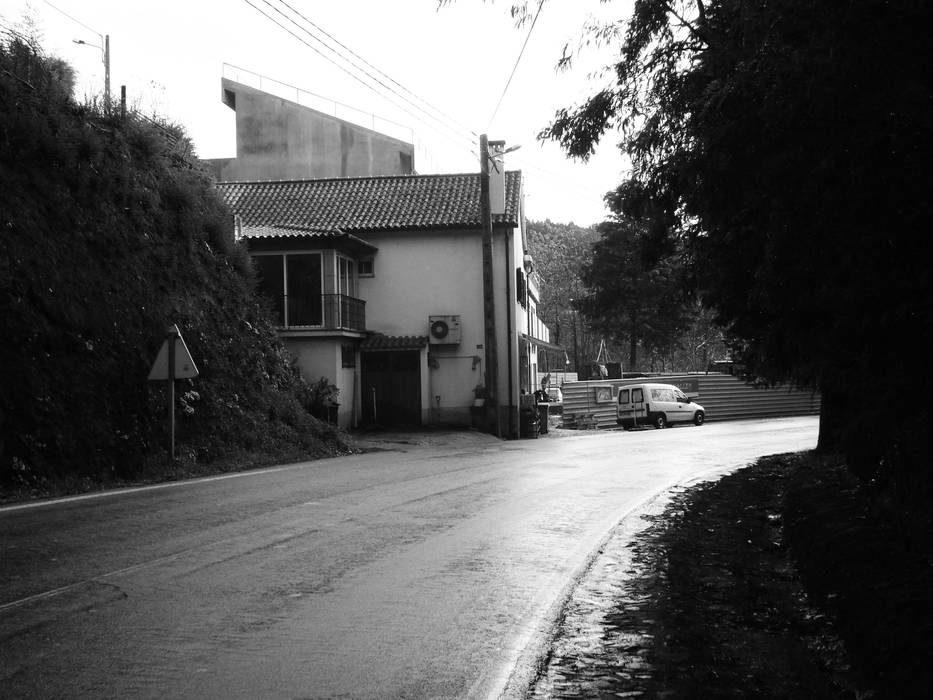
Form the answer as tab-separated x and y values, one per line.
508	326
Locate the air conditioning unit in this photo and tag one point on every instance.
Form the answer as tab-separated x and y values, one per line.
444	330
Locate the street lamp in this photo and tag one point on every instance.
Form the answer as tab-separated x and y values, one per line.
105	51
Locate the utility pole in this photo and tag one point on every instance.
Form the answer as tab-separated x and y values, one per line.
489	306
107	73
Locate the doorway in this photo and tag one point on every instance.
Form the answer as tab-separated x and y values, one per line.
391	388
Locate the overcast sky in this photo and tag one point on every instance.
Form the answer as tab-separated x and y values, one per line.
438	74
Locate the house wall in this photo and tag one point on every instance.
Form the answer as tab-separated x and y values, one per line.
321	357
282	140
421	274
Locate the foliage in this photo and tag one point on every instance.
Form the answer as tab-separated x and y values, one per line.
560	252
111	232
632	296
786	146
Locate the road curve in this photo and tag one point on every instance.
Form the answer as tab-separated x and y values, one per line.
415	571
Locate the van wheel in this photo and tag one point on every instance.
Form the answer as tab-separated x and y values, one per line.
698	418
659	421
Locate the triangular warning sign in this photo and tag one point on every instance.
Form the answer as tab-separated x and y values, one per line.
184	364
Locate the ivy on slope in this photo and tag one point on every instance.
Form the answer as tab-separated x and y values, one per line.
110	232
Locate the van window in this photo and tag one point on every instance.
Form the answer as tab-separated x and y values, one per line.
662	395
638	396
623	395
680	396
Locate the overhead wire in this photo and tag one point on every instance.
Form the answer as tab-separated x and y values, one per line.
377	69
517	61
76	21
349	72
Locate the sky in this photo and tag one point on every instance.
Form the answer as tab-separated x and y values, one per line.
438	76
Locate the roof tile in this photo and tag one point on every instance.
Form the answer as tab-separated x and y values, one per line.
400	202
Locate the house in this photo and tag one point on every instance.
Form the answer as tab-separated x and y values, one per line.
377	284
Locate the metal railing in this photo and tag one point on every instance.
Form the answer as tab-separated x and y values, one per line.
325	312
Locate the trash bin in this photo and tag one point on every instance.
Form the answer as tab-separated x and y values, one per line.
528	423
543	410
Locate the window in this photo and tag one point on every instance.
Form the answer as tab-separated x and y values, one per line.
347	356
366	268
272	284
346	276
292	282
521	289
662	395
623	395
638	396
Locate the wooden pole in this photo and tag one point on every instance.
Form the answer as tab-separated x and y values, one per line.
489	306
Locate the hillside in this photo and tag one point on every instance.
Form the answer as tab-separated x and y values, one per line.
111	231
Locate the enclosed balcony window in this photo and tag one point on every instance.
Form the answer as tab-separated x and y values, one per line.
293	283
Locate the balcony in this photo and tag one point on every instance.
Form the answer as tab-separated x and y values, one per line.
327	312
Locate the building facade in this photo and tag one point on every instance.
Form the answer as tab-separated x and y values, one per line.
280	138
377	285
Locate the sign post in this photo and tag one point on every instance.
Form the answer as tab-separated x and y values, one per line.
173	362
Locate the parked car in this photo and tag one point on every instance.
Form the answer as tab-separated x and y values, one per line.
659	405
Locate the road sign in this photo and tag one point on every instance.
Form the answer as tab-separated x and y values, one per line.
184	364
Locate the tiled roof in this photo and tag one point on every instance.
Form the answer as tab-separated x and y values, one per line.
362	204
379	341
346	240
264	231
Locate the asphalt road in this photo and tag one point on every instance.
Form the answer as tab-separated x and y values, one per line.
414	571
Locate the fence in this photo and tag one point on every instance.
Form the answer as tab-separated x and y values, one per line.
593	403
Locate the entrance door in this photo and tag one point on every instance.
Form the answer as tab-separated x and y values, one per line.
391	383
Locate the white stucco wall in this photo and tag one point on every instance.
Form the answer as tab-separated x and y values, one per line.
418	275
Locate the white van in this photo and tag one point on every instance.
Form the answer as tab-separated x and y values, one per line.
656	404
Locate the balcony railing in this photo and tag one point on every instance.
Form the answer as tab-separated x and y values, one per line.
327	312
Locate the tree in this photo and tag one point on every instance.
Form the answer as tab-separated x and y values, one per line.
786	146
632	296
559	252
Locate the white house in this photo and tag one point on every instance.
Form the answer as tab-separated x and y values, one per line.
377	283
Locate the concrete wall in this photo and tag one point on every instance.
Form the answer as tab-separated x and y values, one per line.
281	140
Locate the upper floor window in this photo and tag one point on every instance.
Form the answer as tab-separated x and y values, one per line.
293	283
366	267
346	276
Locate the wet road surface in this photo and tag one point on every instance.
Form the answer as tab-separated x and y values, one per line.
414	571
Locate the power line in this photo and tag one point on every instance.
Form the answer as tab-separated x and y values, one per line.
517	61
76	21
367	73
377	69
342	68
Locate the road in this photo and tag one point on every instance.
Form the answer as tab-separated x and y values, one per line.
415	571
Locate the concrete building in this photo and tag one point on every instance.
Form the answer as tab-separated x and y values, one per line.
377	283
279	138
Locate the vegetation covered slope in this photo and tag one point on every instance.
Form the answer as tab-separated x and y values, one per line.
109	233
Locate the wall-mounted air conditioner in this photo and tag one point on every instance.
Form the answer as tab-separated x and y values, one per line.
444	330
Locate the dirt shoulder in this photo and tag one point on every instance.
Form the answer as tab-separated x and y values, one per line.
782	580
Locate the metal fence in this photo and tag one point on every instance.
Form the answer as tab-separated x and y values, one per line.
593	403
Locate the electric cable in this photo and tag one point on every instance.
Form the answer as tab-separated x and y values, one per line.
377	69
517	61
342	68
76	21
369	75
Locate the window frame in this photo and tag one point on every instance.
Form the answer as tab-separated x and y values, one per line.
283	256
